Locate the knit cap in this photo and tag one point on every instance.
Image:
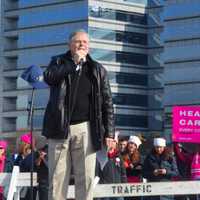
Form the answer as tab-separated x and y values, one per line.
3	144
159	142
136	140
26	138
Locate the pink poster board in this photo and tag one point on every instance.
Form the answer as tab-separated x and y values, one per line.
186	124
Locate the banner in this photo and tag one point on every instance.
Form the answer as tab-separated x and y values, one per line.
186	124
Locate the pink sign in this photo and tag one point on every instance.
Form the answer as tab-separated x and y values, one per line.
186	124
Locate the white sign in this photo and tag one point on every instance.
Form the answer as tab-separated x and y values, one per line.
144	189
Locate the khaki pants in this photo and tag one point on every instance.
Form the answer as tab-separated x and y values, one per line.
77	152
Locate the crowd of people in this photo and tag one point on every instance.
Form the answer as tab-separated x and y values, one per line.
124	164
27	162
78	122
163	163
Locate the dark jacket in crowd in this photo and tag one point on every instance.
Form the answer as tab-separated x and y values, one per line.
113	171
59	77
42	175
25	165
164	161
184	160
133	165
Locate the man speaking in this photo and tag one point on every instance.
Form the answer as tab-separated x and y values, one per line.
79	118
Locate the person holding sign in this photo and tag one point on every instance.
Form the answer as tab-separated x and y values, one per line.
190	162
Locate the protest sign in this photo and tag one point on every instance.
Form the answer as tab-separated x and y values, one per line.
186	124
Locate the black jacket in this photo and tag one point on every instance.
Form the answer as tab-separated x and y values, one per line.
152	162
56	120
113	172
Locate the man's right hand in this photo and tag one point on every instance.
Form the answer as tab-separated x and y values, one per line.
79	56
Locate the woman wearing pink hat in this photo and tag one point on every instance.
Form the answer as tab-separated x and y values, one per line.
24	150
24	147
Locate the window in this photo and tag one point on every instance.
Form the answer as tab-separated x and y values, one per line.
117	56
38	121
111	14
22	122
8	124
131	120
130	99
40	100
25	3
128	78
48	35
119	36
53	14
143	2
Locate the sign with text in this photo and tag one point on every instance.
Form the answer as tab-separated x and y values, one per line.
142	189
186	124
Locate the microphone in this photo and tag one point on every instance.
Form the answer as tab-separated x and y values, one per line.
80	64
34	76
82	60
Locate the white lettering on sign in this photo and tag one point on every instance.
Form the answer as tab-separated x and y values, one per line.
131	189
189	113
184	122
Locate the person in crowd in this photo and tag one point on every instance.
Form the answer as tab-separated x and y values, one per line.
132	162
182	168
122	145
79	118
189	164
24	147
113	171
25	163
41	164
160	165
5	163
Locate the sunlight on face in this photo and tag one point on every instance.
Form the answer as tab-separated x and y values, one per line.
123	145
80	42
159	150
131	147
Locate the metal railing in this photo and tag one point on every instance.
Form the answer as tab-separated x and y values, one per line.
15	181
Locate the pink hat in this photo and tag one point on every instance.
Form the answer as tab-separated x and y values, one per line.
26	138
3	144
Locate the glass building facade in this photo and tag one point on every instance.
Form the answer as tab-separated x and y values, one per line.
125	38
181	56
155	67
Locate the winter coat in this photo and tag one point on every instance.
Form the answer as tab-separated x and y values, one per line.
56	120
188	162
152	162
113	171
133	167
